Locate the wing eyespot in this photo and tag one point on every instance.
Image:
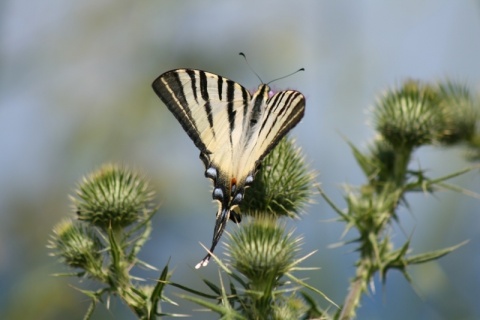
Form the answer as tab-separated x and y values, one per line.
217	194
237	199
211	173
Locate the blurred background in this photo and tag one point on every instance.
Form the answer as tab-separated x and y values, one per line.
75	92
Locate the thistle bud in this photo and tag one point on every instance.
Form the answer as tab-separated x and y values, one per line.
113	197
262	251
76	246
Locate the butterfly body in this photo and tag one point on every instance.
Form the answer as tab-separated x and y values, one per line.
233	130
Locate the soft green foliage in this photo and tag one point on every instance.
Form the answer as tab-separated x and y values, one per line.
114	208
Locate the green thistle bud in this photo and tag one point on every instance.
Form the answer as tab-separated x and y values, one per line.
76	246
291	308
113	196
459	114
262	251
282	185
408	117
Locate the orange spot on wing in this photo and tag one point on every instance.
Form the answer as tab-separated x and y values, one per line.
233	181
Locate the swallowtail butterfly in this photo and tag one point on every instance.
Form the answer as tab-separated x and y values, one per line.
233	129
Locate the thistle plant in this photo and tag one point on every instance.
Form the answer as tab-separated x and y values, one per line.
257	280
406	119
114	207
262	256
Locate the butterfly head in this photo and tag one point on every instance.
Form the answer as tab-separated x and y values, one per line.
264	91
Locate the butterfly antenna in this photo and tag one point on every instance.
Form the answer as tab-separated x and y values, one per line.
250	67
288	75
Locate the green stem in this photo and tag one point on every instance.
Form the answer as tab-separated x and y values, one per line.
119	274
402	159
366	265
358	285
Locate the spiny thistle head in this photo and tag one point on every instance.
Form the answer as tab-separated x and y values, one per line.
282	185
77	246
291	308
113	196
408	117
459	113
419	114
262	251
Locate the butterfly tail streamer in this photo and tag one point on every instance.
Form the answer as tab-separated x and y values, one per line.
220	224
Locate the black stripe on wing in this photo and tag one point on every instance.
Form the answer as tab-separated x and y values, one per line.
287	108
205	95
230	104
208	106
170	89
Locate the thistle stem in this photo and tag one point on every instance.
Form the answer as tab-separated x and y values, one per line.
352	300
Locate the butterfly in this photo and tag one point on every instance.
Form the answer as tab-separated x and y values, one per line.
233	129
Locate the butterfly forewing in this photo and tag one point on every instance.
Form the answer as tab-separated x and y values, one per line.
233	129
206	106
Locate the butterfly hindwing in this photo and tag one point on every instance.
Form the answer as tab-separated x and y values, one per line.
280	113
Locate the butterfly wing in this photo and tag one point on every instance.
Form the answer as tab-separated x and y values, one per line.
206	106
213	111
277	116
